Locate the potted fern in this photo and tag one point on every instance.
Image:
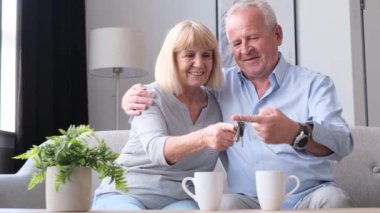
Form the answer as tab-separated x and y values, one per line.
66	162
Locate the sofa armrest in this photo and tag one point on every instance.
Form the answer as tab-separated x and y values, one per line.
15	193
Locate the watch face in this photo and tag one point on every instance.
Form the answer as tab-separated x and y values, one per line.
303	141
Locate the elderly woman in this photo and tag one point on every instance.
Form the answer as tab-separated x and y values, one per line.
179	134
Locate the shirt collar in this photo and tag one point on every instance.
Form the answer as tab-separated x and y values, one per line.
280	70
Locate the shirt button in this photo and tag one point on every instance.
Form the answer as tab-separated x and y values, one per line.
376	169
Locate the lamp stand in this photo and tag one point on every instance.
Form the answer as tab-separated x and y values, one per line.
117	71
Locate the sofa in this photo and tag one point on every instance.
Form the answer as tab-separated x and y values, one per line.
358	173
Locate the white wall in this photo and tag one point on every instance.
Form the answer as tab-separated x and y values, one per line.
155	18
324	45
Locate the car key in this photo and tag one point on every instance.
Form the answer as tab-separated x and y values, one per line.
239	128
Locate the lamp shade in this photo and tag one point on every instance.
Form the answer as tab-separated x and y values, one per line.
117	47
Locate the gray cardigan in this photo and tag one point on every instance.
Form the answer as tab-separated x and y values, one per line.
151	180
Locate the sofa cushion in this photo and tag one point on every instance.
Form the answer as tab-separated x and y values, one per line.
359	173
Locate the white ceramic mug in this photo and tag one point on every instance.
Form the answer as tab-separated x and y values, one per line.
208	188
271	187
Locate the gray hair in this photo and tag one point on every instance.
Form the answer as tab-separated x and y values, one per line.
269	14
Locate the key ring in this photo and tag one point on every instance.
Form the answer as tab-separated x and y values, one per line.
239	128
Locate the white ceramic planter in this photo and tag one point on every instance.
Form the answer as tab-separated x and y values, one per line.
74	195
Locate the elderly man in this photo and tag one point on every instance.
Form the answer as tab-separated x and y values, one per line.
294	113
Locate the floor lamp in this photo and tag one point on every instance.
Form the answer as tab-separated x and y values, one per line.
117	52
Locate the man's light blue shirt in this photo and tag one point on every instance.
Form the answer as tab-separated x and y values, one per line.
302	95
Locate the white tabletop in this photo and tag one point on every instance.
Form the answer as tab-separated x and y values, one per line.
351	210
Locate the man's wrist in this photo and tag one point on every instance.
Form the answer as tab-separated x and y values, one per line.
303	138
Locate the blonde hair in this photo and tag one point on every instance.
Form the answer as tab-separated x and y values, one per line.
182	36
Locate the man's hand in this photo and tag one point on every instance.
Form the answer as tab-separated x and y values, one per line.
273	126
136	100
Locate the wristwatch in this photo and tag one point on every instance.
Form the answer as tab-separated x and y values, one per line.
303	137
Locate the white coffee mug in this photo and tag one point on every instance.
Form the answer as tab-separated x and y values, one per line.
208	188
271	187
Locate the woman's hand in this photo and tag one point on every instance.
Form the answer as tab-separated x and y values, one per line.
218	136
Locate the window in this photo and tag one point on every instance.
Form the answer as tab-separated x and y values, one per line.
8	65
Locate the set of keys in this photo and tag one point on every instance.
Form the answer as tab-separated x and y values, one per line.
239	128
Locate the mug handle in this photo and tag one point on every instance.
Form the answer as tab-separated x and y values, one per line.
184	187
296	187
